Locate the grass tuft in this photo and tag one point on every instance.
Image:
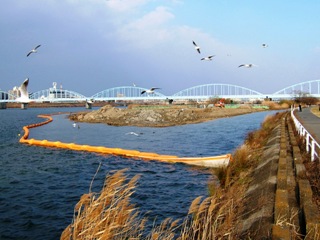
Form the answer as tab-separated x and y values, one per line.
108	214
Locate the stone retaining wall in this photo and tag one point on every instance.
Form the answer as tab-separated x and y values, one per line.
279	201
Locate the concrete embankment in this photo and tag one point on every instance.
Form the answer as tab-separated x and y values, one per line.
279	201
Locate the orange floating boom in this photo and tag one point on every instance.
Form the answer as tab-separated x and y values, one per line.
213	161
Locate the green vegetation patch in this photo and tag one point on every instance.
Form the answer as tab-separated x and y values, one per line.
260	106
232	106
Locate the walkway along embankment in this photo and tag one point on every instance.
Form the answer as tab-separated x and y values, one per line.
210	161
279	201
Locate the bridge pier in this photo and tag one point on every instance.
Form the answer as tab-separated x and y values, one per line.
3	105
24	106
88	105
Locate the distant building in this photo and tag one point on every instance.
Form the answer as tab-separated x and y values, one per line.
54	92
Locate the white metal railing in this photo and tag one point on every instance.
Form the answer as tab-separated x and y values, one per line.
311	144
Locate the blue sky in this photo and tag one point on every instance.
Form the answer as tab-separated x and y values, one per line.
91	45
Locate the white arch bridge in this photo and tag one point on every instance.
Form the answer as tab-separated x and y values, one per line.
200	92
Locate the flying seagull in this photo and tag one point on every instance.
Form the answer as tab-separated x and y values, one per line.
23	92
196	47
209	58
150	91
33	50
247	65
264	45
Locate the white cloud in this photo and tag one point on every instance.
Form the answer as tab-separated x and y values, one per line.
150	29
125	5
155	18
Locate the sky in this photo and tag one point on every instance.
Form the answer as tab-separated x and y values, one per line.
88	46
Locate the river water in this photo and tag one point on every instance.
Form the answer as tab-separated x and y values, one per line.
40	186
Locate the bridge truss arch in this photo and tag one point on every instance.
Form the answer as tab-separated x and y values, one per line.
310	87
124	92
55	95
219	90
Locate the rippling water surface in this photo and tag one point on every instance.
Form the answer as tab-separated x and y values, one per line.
40	186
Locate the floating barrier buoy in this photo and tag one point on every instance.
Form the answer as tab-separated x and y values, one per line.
211	161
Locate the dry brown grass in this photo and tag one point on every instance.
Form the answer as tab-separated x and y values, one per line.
247	156
315	111
166	230
275	106
107	215
257	139
214	217
290	223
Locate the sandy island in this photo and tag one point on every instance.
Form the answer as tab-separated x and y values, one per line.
160	115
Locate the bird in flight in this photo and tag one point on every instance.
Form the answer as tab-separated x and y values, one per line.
23	92
196	47
209	58
247	65
264	45
33	50
150	91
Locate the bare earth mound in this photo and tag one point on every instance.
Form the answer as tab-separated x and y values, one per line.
158	116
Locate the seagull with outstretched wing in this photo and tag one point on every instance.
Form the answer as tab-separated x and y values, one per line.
150	91
247	65
196	47
33	50
209	58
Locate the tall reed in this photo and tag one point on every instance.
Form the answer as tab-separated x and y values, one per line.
108	214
